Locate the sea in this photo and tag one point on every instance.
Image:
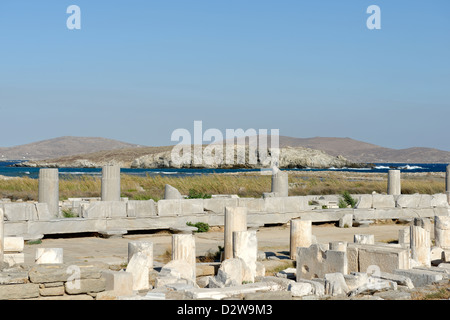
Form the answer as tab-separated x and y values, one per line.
8	169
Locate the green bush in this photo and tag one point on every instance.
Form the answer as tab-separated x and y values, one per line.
68	213
346	200
201	226
194	194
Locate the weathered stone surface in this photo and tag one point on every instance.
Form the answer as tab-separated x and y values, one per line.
364	238
19	291
52	291
393	295
399	279
104	209
141	208
19	211
252	204
226	292
365	201
47	273
335	284
245	246
404	237
119	283
420	278
282	283
408	200
191	206
49	255
299	289
217	205
338	246
370	285
14	258
425	201
170	207
138	267
318	286
43	212
90	270
289	273
314	262
270	295
363	257
355	280
383	201
346	221
85	286
176	270
171	192
231	272
13	277
141	246
51	284
13	244
439	200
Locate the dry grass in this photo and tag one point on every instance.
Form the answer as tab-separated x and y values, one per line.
244	185
432	292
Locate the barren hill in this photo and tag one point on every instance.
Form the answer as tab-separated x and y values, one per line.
59	147
359	151
89	152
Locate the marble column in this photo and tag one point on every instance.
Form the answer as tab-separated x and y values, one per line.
235	220
420	245
300	235
442	232
245	247
183	248
280	185
394	182
49	190
111	183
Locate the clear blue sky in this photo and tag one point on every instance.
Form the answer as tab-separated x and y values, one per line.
137	70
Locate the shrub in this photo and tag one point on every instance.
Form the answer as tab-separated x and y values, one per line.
68	213
346	200
194	194
201	226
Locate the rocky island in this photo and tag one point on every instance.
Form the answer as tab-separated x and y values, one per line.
161	157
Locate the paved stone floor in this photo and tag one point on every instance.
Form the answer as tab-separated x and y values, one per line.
114	251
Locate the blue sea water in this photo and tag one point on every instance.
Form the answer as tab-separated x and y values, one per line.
6	169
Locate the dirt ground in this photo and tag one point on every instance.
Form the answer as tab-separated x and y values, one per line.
114	251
